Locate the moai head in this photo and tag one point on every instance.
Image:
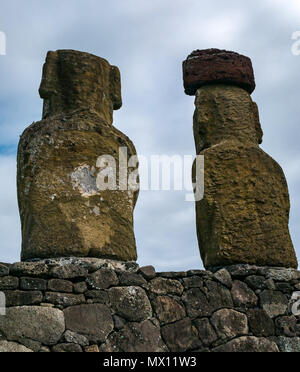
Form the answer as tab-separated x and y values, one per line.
75	80
224	108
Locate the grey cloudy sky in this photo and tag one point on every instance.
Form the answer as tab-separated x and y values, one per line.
148	40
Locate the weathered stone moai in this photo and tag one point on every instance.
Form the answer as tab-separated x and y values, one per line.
65	206
244	215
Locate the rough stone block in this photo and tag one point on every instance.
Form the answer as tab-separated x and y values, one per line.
42	324
33	284
260	324
248	344
168	310
8	282
229	323
130	303
273	302
60	285
20	298
93	321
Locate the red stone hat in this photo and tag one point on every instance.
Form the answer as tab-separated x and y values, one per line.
215	66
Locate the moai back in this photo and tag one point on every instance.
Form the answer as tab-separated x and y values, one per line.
244	215
63	210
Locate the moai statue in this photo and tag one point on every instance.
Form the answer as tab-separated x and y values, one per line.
244	215
66	176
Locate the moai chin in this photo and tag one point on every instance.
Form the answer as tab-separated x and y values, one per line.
244	215
65	210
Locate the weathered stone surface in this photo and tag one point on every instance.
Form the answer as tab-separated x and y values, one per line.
206	333
75	338
4	270
33	284
85	264
20	298
196	303
168	310
44	349
240	271
260	324
193	282
285	288
244	214
270	284
242	295
35	346
42	324
130	303
283	275
91	349
229	323
30	269
60	285
135	337
63	207
132	279
8	282
248	345
119	322
67	348
203	273
287	326
214	66
64	299
12	347
273	302
178	336
172	274
68	271
94	321
218	295
289	345
162	286
256	282
223	277
103	279
80	287
148	272
98	296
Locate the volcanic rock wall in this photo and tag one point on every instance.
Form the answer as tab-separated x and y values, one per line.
91	305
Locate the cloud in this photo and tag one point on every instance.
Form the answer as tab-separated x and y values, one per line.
9	217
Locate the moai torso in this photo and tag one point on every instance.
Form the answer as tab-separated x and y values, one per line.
243	217
64	211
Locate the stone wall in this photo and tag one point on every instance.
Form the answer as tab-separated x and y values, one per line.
92	305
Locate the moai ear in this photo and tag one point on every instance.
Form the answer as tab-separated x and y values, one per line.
258	129
115	87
